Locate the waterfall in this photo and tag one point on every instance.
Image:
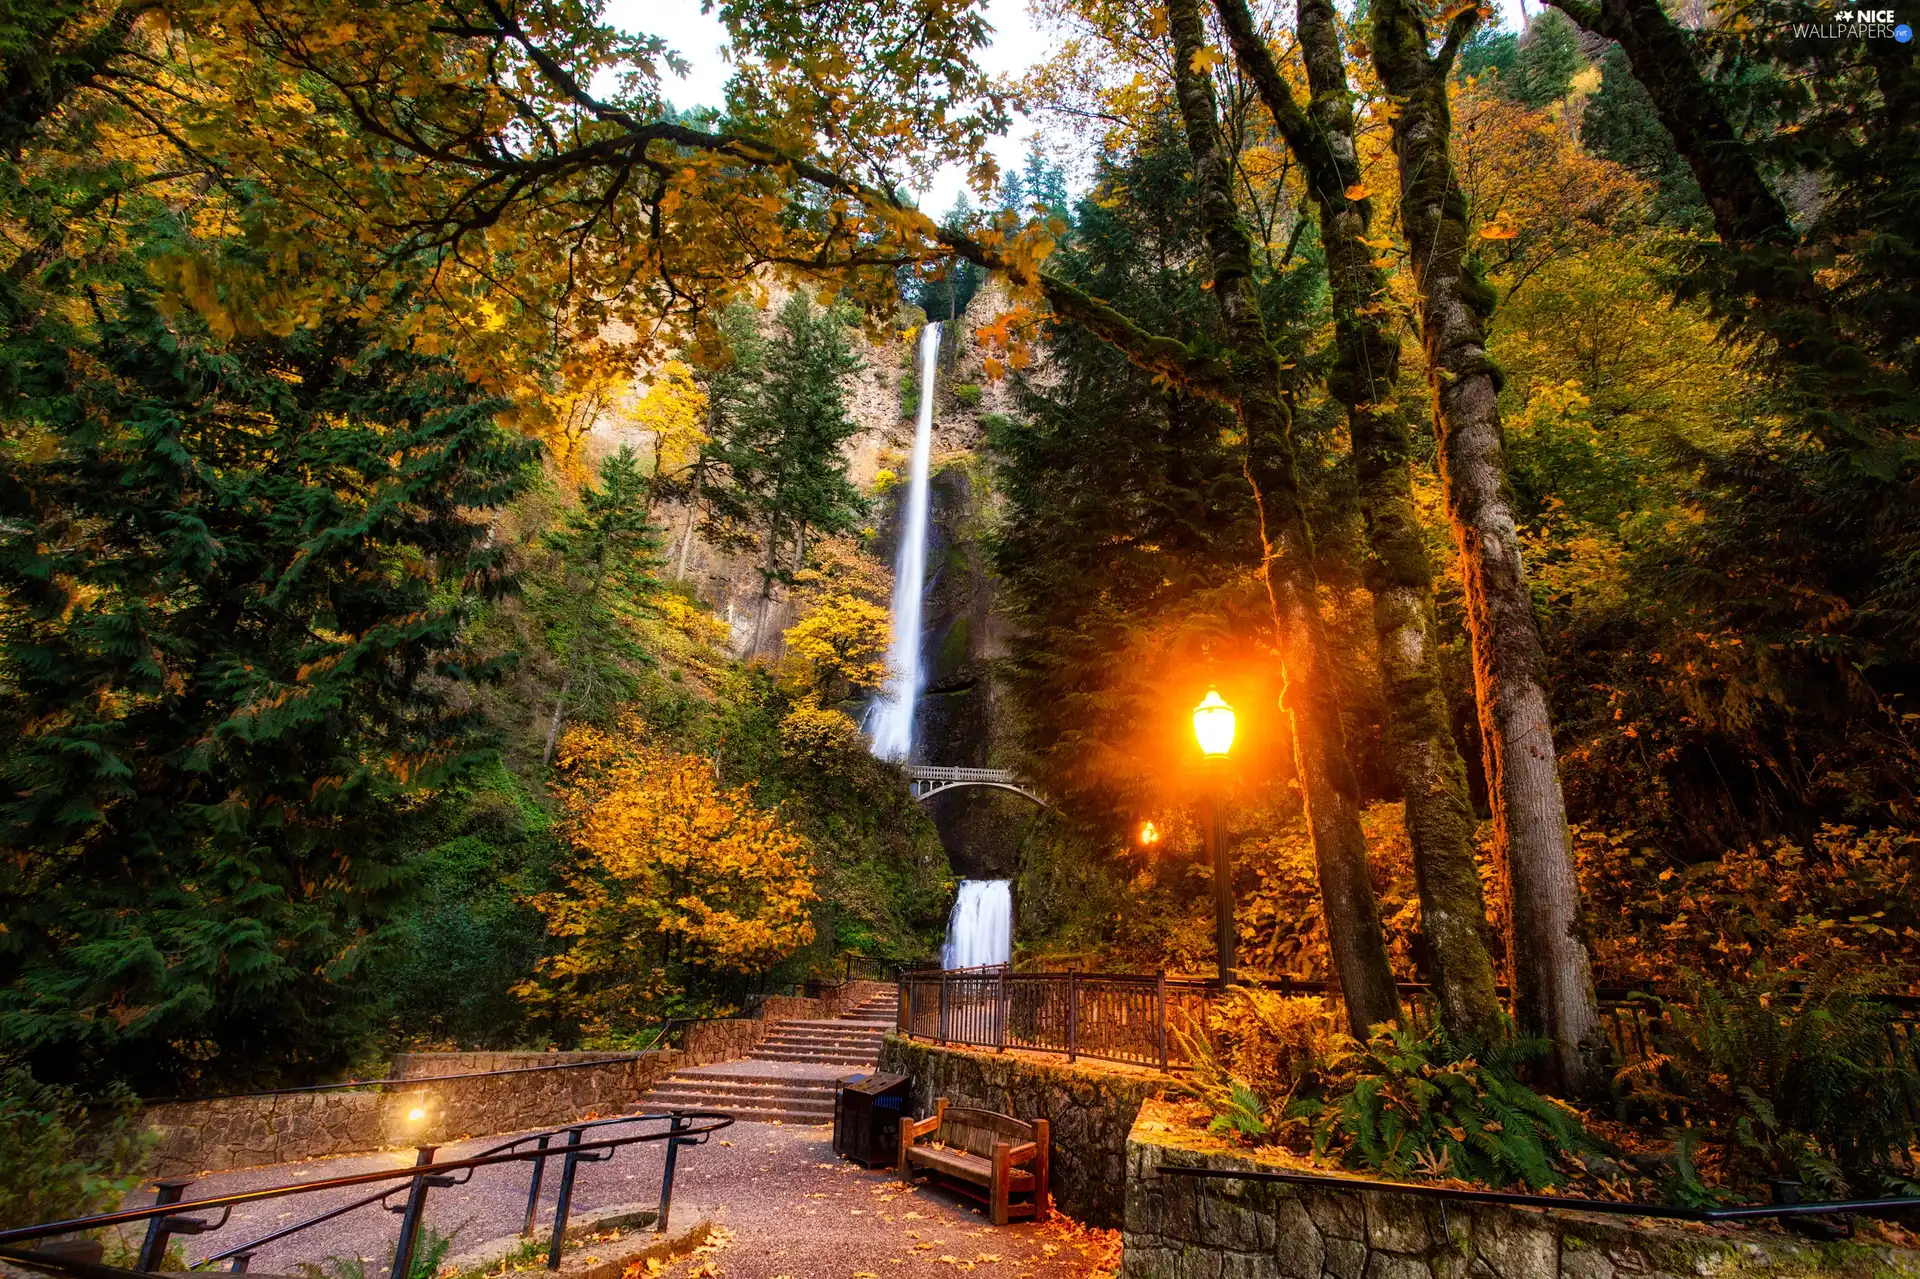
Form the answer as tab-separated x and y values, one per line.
892	717
980	930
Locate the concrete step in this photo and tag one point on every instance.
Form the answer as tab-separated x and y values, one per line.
824	1041
747	1103
724	1099
748	1083
828	1023
834	1058
822	1036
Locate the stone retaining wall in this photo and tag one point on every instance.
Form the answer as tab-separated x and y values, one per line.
242	1132
1090	1109
1214	1228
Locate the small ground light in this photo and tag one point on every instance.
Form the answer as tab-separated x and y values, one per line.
416	1115
1149	834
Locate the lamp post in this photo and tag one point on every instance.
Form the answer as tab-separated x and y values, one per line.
1213	728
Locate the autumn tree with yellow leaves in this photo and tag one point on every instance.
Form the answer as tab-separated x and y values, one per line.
672	873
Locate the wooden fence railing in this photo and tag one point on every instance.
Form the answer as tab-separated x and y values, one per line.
1134	1017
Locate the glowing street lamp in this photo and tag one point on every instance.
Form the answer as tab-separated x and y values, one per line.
1149	834
1213	727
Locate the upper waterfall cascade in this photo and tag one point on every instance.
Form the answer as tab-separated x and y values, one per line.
892	717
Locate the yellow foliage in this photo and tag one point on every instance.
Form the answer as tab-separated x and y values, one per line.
670	869
1281	927
817	734
673	411
1845	895
844	639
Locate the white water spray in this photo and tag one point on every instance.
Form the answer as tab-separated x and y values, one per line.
980	930
892	718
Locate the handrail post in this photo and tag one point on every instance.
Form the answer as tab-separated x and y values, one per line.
533	1189
241	1260
410	1218
154	1249
666	1180
1160	1014
945	1000
1073	1014
1004	1007
561	1203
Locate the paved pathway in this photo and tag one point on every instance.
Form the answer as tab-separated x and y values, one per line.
792	1209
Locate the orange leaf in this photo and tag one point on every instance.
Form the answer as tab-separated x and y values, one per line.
1498	232
1358	191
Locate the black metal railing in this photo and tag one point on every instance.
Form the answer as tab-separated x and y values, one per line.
169	1214
1139	1018
1787	1205
1112	1017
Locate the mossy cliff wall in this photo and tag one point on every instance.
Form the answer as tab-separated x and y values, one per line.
1090	1109
1181	1227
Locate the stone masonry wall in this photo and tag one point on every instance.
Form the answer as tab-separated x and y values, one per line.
243	1132
1089	1108
1215	1228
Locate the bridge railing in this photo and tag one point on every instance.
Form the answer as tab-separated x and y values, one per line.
941	773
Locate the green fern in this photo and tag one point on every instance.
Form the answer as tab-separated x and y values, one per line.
1243	1113
1784	1078
1424	1103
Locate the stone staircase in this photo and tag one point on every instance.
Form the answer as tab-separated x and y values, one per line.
790	1075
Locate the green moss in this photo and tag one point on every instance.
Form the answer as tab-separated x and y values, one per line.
967	394
953	647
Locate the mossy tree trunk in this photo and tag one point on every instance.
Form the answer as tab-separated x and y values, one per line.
1552	978
1327	777
1426	761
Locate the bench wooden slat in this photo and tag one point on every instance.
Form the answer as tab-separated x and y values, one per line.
976	1152
957	1163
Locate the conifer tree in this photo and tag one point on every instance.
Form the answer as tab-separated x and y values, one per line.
607	550
236	582
777	447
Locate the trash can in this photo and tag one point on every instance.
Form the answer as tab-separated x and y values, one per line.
866	1118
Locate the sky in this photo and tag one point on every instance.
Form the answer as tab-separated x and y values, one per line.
1018	44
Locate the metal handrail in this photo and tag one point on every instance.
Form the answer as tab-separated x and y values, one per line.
1574	1203
165	1217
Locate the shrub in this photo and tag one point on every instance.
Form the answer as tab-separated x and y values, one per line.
967	395
1256	1052
1422	1102
1780	1079
61	1156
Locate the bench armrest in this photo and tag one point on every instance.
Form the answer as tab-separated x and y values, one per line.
913	1129
1023	1152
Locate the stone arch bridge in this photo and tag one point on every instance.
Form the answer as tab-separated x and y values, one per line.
928	780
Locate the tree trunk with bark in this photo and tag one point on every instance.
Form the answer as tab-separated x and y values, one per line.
1399	574
1311	699
1552	979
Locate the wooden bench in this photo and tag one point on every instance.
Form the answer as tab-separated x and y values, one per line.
989	1156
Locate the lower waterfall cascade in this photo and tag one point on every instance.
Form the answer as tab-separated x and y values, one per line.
980	929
